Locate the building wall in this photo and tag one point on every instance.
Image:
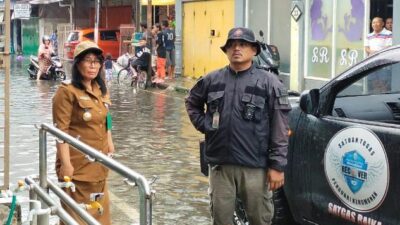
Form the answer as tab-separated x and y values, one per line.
205	28
112	17
280	31
275	24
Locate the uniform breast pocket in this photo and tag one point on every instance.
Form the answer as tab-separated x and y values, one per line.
253	107
214	106
85	110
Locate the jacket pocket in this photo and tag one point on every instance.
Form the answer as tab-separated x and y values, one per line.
257	103
215	102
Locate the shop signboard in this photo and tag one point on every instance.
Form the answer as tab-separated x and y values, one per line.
22	11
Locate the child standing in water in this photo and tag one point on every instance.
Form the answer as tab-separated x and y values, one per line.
108	65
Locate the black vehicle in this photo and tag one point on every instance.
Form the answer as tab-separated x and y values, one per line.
344	149
54	72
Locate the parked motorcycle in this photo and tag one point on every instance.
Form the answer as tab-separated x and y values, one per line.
269	59
54	72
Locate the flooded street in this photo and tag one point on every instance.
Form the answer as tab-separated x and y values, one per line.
152	135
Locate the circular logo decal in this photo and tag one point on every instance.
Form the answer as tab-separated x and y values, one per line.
357	170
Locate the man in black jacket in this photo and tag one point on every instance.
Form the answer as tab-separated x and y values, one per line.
246	131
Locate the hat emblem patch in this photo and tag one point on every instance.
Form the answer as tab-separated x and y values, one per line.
238	33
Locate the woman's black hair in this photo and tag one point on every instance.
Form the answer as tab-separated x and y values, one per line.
77	76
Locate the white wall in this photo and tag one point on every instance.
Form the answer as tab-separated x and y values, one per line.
277	29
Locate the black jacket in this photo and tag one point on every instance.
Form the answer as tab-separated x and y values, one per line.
259	141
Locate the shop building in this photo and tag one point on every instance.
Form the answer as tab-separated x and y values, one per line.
327	37
317	39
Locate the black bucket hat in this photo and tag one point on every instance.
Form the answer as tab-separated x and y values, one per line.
242	33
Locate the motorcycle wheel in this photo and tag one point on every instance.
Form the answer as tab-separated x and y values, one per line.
60	75
32	77
32	72
124	77
282	214
239	216
142	79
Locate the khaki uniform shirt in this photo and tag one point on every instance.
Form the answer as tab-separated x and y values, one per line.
69	105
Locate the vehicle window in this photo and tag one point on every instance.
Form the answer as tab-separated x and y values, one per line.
109	35
384	80
374	97
73	36
89	36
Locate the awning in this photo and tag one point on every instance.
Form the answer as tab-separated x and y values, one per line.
158	2
36	2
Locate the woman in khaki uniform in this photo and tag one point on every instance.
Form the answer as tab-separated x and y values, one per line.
80	108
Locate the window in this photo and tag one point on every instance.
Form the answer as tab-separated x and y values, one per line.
89	36
377	82
74	36
334	36
109	35
374	97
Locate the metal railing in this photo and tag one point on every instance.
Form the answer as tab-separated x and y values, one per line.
145	192
36	191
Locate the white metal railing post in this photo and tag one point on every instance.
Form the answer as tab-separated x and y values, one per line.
55	207
43	219
32	196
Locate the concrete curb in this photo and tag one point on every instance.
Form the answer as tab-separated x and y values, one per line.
181	89
167	85
173	87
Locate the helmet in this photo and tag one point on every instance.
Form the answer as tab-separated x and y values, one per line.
45	38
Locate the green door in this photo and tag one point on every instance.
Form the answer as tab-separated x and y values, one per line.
30	36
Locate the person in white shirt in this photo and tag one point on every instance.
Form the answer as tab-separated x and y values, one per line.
379	39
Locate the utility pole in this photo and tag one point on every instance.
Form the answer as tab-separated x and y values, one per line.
5	111
137	15
178	38
149	41
96	21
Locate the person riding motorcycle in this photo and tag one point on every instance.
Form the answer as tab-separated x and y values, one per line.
142	56
44	55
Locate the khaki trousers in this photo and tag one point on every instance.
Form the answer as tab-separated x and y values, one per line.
82	195
249	184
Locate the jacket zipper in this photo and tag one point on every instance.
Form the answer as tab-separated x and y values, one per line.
235	77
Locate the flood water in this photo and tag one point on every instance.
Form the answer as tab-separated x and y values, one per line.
152	135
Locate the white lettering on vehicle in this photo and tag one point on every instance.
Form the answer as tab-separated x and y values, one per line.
351	216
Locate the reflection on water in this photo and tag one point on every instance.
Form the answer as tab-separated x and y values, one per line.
159	140
152	135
